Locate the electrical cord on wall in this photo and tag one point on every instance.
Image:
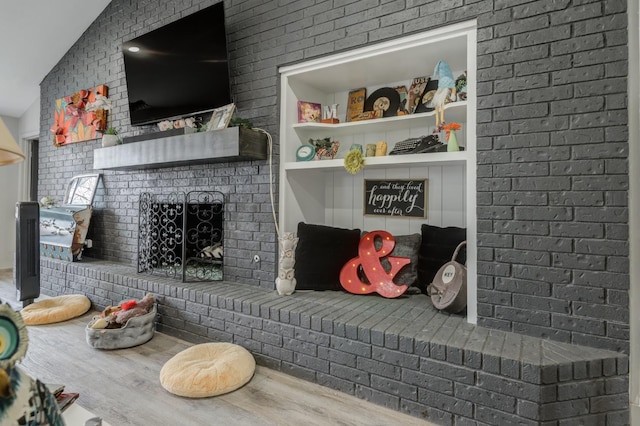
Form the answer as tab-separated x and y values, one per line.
273	207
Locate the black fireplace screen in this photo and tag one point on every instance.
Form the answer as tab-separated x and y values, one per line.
181	236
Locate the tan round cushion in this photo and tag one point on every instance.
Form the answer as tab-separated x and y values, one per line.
55	309
207	369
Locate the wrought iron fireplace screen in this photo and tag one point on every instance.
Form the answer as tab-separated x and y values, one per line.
182	235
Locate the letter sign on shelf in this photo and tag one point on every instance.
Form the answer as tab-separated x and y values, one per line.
377	280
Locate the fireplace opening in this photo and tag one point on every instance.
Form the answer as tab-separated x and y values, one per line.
182	235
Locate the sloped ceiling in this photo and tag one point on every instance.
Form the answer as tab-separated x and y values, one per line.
34	36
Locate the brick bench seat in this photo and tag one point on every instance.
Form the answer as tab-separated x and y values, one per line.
401	353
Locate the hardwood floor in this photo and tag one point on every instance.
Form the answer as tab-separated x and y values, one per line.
123	386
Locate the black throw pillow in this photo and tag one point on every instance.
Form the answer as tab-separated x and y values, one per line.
406	246
321	253
436	249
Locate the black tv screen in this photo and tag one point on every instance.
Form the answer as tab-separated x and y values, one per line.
180	69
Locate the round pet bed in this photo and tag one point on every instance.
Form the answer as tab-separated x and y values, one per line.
55	309
207	369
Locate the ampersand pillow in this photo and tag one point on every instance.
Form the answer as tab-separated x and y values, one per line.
320	254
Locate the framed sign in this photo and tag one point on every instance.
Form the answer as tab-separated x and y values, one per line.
221	117
395	197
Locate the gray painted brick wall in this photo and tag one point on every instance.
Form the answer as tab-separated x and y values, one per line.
545	78
552	143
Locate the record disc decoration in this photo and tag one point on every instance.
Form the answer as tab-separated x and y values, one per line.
385	99
13	337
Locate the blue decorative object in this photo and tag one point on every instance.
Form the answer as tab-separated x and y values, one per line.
442	73
305	152
356	146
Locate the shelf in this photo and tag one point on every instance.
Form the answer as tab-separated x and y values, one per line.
231	144
455	112
434	159
323	192
400	59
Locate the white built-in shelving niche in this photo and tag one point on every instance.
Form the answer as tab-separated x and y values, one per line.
323	192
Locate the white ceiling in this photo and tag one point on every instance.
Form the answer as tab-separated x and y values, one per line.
34	36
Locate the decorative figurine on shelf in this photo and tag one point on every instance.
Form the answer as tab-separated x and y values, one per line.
381	149
461	86
446	91
371	150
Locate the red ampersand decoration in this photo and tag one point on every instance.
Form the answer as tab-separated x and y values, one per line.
380	281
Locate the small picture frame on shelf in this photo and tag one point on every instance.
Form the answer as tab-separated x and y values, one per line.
403	108
355	103
415	92
221	117
309	112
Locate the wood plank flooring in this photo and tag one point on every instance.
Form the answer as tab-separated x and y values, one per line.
123	386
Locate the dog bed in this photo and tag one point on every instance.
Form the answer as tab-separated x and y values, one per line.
207	369
136	331
55	309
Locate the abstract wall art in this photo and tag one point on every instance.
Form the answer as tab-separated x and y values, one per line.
80	116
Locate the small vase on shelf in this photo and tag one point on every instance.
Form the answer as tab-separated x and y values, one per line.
452	143
451	137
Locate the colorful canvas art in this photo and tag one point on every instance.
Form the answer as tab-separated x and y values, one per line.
309	112
73	122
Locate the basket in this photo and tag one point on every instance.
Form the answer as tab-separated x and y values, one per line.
136	331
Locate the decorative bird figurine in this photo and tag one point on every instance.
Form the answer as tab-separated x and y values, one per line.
446	91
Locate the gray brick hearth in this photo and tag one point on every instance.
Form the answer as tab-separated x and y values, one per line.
400	353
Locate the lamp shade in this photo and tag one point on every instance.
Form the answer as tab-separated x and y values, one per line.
10	152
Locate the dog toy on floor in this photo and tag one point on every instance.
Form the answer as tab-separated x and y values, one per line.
117	316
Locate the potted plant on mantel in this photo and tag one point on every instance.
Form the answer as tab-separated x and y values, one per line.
110	137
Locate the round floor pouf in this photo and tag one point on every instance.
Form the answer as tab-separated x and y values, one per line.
55	309
207	369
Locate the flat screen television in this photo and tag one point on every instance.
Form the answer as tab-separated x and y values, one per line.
180	69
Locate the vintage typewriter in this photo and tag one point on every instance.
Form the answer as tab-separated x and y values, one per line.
419	145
